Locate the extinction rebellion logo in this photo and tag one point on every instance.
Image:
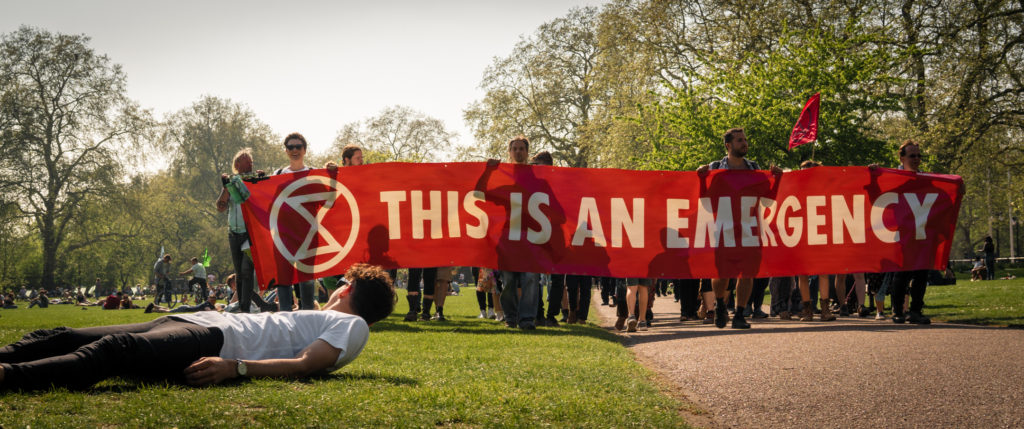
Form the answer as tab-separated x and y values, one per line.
329	191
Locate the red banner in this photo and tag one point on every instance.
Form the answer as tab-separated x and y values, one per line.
600	221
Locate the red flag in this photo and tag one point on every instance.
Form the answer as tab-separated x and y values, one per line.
806	128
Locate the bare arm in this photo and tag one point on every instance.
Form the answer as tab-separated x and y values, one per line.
222	200
315	358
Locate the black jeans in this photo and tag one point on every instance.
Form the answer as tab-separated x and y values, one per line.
555	295
687	292
243	269
990	267
429	276
579	295
917	282
202	283
782	291
78	358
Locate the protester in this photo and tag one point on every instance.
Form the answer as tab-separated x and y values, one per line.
207	347
295	148
736	147
238	237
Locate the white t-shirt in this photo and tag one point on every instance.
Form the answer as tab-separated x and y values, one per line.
283	335
286	170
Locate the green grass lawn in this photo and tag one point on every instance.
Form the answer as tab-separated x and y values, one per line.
993	302
464	373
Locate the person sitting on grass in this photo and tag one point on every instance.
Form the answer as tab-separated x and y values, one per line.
9	301
127	304
978	272
207	347
41	300
209	305
113	302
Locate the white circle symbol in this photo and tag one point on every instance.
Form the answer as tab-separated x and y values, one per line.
315	222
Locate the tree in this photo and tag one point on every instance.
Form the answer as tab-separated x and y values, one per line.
67	123
202	139
397	133
545	89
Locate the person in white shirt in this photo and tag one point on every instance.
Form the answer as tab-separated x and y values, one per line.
207	347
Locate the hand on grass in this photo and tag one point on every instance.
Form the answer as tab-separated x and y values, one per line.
210	370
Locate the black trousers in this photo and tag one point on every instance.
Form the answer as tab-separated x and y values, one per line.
243	269
687	291
429	276
78	358
555	296
203	287
579	295
917	282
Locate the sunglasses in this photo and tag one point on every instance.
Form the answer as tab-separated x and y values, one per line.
294	146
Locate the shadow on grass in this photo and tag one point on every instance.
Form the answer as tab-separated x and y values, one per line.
681	332
475	327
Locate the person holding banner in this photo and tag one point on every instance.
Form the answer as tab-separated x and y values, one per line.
916	281
521	290
241	164
736	147
295	147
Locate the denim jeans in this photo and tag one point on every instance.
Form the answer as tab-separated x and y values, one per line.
286	298
520	307
78	358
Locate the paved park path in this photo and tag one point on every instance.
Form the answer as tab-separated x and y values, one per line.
851	373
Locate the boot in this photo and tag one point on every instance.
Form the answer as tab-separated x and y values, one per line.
425	313
826	312
806	312
414	307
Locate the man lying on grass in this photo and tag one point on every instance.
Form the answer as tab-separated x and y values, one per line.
206	347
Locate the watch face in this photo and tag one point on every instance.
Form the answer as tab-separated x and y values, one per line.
242	370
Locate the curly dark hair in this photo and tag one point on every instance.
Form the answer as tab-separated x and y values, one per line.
373	294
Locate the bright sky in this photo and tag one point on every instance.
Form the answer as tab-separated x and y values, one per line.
306	66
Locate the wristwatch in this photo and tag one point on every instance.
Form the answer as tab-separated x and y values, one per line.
241	368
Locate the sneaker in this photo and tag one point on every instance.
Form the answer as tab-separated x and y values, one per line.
424	316
918	319
483	315
784	315
490	313
643	325
880	315
631	324
527	325
709	318
149	308
898	318
551	322
759	314
844	311
620	323
499	317
738	322
439	317
721	318
864	312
